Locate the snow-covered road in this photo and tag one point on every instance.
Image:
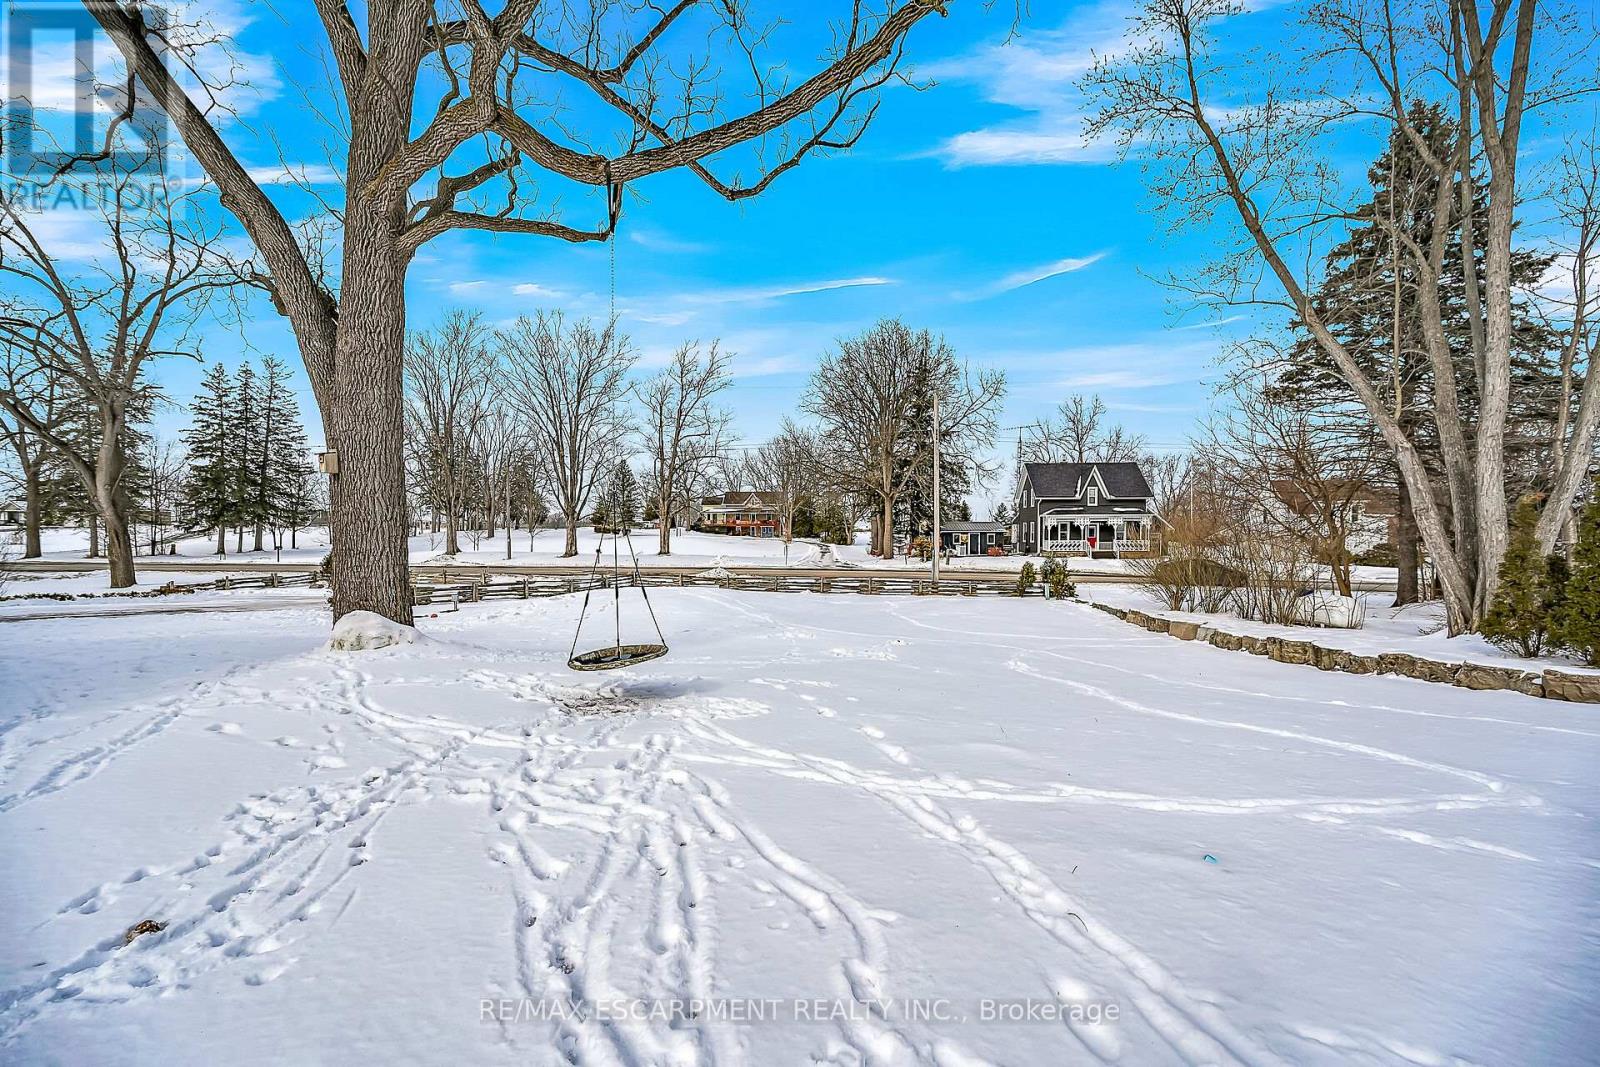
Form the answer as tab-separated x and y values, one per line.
843	828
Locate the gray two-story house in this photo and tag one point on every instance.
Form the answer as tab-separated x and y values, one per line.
1089	509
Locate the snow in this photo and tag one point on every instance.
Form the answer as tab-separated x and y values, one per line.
361	630
1416	629
689	549
1322	608
419	856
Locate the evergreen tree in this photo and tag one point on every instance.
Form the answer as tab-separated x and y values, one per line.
1368	301
285	453
210	498
1577	616
617	510
1520	617
249	467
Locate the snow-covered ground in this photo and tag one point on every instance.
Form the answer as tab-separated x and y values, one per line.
423	854
689	549
1417	629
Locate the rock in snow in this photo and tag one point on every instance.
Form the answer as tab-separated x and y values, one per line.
367	629
1330	609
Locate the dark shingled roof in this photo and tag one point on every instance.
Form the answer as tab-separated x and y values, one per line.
742	497
973	527
1060	481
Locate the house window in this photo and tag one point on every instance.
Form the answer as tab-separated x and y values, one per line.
1094	496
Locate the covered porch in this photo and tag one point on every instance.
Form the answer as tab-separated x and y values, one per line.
1094	535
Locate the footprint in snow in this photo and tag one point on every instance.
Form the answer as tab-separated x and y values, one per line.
230	728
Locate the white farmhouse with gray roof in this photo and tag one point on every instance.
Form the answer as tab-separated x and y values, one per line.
1084	509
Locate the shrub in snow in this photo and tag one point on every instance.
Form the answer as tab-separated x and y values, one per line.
366	629
1330	609
1519	619
1054	573
1025	579
1577	616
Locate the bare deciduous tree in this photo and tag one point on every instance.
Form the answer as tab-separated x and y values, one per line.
786	468
1260	164
420	161
1079	434
683	429
448	371
40	390
868	394
94	325
569	383
1309	477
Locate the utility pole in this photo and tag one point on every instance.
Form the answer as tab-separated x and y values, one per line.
938	537
508	510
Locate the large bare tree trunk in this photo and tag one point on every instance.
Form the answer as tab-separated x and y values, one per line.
370	566
886	526
33	504
571	548
119	542
664	522
1405	548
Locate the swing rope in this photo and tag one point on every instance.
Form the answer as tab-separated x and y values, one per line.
635	653
638	579
587	590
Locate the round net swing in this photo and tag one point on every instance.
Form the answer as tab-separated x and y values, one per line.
610	657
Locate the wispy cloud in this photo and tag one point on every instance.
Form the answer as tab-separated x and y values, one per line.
295	174
538	292
660	241
759	294
1213	324
1038	76
1030	275
1123	379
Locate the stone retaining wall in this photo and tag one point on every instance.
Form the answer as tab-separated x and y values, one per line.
1554	684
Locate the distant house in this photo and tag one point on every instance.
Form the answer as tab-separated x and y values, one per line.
12	513
1370	516
1084	509
743	513
972	538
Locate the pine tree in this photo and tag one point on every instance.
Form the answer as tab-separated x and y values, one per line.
249	470
1367	272
283	466
210	498
1519	619
617	510
1577	616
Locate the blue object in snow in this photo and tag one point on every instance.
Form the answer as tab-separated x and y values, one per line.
1210	858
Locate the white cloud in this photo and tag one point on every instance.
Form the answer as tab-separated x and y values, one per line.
1123	379
763	294
660	241
540	292
1030	275
1038	75
1226	320
295	174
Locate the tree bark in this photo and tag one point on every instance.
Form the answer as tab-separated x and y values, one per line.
664	523
119	542
33	504
887	526
1405	548
371	571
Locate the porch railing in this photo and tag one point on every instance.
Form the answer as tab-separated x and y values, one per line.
1117	545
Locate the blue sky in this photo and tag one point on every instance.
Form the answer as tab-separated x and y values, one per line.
972	208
